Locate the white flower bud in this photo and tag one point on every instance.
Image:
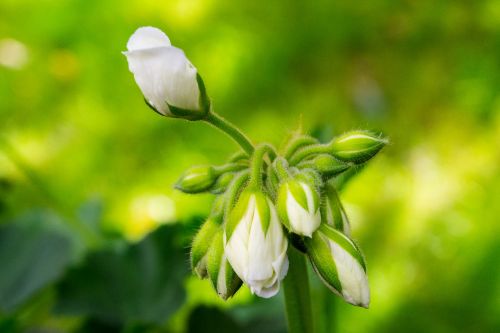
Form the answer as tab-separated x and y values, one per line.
255	244
169	82
339	264
298	207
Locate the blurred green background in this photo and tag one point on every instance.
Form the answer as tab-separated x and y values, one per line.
80	155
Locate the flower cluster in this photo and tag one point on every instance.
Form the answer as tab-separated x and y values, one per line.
266	200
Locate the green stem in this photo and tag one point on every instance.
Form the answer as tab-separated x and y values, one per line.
297	294
298	143
257	163
230	167
231	130
307	151
234	189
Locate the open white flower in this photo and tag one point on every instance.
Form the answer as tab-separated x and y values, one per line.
339	264
298	207
255	244
169	82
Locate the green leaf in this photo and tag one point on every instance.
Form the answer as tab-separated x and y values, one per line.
34	252
141	283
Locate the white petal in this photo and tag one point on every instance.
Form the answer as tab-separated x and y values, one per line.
221	278
269	291
236	250
303	222
353	279
165	75
259	252
147	38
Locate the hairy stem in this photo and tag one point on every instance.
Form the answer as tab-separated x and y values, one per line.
297	294
308	151
298	143
257	163
231	130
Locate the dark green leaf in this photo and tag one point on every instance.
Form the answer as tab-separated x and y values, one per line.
142	283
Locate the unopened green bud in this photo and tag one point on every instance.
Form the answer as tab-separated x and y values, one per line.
201	244
197	179
327	165
339	264
332	211
357	146
222	183
220	272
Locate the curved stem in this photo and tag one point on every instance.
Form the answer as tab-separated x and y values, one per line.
297	294
307	151
257	162
234	190
230	167
297	143
231	130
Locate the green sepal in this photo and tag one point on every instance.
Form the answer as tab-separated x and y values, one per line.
237	213
222	183
215	260
152	107
263	210
344	242
200	246
311	177
204	100
185	113
331	205
298	193
282	206
320	255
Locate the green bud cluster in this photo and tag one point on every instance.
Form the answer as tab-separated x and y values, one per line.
299	181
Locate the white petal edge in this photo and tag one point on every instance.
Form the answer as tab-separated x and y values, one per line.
147	38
